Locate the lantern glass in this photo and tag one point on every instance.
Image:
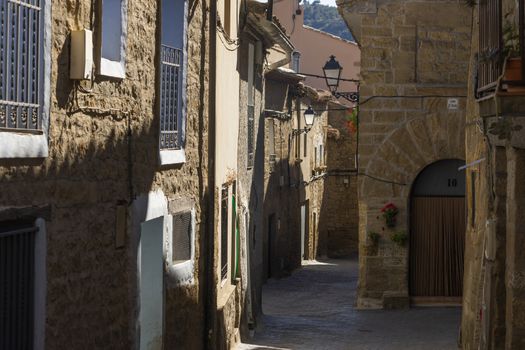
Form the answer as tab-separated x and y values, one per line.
309	116
332	73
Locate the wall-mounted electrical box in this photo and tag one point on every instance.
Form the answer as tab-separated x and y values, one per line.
81	58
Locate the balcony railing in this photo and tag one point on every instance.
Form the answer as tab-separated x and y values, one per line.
492	48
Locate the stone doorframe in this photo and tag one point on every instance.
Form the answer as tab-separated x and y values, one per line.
399	158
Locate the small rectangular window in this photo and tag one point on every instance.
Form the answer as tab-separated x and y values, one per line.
297	145
473	198
182	237
305	151
113	38
271	140
224	232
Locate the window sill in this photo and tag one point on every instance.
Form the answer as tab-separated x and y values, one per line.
23	145
168	157
181	273
112	69
225	294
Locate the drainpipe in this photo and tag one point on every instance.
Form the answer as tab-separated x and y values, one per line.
210	308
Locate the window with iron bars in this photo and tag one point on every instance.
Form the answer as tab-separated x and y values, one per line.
494	27
171	74
251	106
21	64
17	285
224	232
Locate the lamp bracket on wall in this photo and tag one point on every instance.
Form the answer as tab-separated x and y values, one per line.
301	131
352	96
269	113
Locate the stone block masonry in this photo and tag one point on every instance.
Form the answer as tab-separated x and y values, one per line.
414	58
100	160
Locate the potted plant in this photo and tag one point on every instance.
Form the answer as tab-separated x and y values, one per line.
400	238
373	242
390	212
511	51
374	237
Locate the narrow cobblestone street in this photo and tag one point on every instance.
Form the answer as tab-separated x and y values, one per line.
314	309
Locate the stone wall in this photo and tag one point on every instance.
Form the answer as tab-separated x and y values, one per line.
494	283
314	171
99	160
339	214
282	253
476	186
292	181
414	57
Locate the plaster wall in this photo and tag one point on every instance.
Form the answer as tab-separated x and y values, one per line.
316	47
226	168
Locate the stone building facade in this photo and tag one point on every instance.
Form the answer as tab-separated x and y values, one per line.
297	222
249	45
493	302
310	59
338	222
414	64
96	187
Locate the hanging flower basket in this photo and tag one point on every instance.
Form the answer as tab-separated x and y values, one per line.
351	120
390	214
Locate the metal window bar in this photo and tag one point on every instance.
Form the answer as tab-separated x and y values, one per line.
17	274
251	136
182	242
491	44
21	62
170	97
224	233
521	4
235	257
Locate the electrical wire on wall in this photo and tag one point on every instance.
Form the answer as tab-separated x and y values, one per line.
228	43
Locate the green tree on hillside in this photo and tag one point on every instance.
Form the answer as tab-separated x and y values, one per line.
327	19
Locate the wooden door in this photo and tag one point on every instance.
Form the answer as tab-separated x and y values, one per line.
437	241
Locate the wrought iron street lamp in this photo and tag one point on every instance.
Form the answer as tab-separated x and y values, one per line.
309	117
332	73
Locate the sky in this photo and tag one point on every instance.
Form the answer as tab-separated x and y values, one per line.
327	2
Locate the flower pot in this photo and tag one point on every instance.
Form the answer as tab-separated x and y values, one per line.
390	221
513	69
513	72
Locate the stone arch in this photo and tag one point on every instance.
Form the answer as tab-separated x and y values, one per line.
408	149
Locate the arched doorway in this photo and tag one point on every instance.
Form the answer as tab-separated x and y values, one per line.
437	233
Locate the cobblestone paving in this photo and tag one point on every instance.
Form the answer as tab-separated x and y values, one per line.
314	309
